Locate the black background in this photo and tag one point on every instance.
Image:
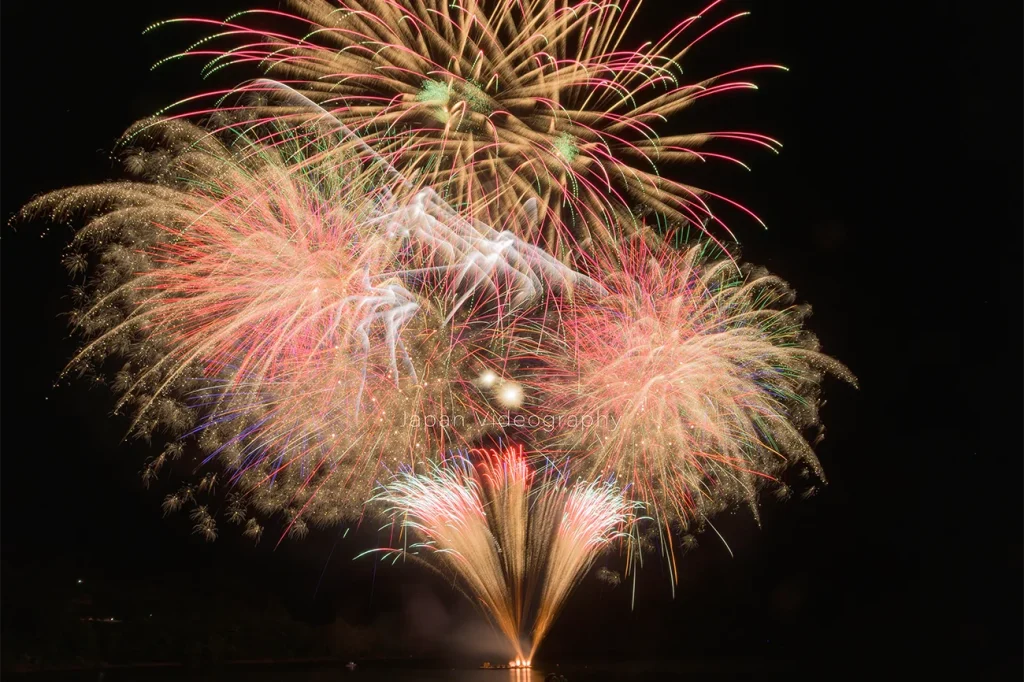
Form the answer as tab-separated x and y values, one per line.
894	210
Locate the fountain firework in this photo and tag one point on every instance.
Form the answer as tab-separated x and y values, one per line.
517	541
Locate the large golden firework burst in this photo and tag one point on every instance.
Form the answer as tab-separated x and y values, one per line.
529	115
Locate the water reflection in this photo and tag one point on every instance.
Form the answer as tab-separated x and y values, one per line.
524	675
372	674
360	674
622	671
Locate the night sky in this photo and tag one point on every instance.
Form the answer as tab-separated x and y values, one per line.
894	210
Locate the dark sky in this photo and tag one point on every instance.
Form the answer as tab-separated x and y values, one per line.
894	210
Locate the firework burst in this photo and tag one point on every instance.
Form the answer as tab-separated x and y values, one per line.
501	105
426	213
518	543
296	310
698	379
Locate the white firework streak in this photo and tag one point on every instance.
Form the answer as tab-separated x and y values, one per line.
478	255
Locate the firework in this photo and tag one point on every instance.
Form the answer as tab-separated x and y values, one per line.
697	382
517	543
447	509
428	212
295	309
588	518
535	116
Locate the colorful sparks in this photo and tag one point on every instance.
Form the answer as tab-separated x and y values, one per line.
432	227
496	104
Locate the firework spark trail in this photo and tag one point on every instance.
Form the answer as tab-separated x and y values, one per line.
593	516
291	311
699	380
478	257
518	544
474	250
446	508
508	480
470	247
497	103
440	210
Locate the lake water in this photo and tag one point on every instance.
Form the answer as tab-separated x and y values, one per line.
383	672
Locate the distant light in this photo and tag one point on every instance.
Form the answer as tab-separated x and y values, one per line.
79	581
